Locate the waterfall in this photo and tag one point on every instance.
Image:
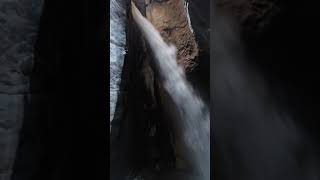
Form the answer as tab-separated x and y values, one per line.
117	49
195	118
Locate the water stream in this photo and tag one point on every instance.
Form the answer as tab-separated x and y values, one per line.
194	115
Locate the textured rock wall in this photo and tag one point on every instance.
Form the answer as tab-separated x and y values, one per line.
19	21
117	49
129	149
171	19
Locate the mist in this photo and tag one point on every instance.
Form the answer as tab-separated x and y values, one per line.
254	137
194	115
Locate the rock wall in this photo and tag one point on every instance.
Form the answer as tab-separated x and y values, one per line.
19	21
171	19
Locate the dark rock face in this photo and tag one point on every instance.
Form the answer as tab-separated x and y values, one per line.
133	150
253	15
265	99
199	11
19	21
52	105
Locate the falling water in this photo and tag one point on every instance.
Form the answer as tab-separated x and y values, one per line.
194	114
258	137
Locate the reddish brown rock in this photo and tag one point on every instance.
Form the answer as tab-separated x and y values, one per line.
171	20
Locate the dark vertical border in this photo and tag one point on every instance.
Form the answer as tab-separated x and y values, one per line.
212	159
97	43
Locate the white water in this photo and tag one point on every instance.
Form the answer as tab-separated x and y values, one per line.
117	49
194	114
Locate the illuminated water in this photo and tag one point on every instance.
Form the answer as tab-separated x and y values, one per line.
195	118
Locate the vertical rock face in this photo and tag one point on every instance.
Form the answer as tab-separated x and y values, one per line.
19	21
172	20
117	49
